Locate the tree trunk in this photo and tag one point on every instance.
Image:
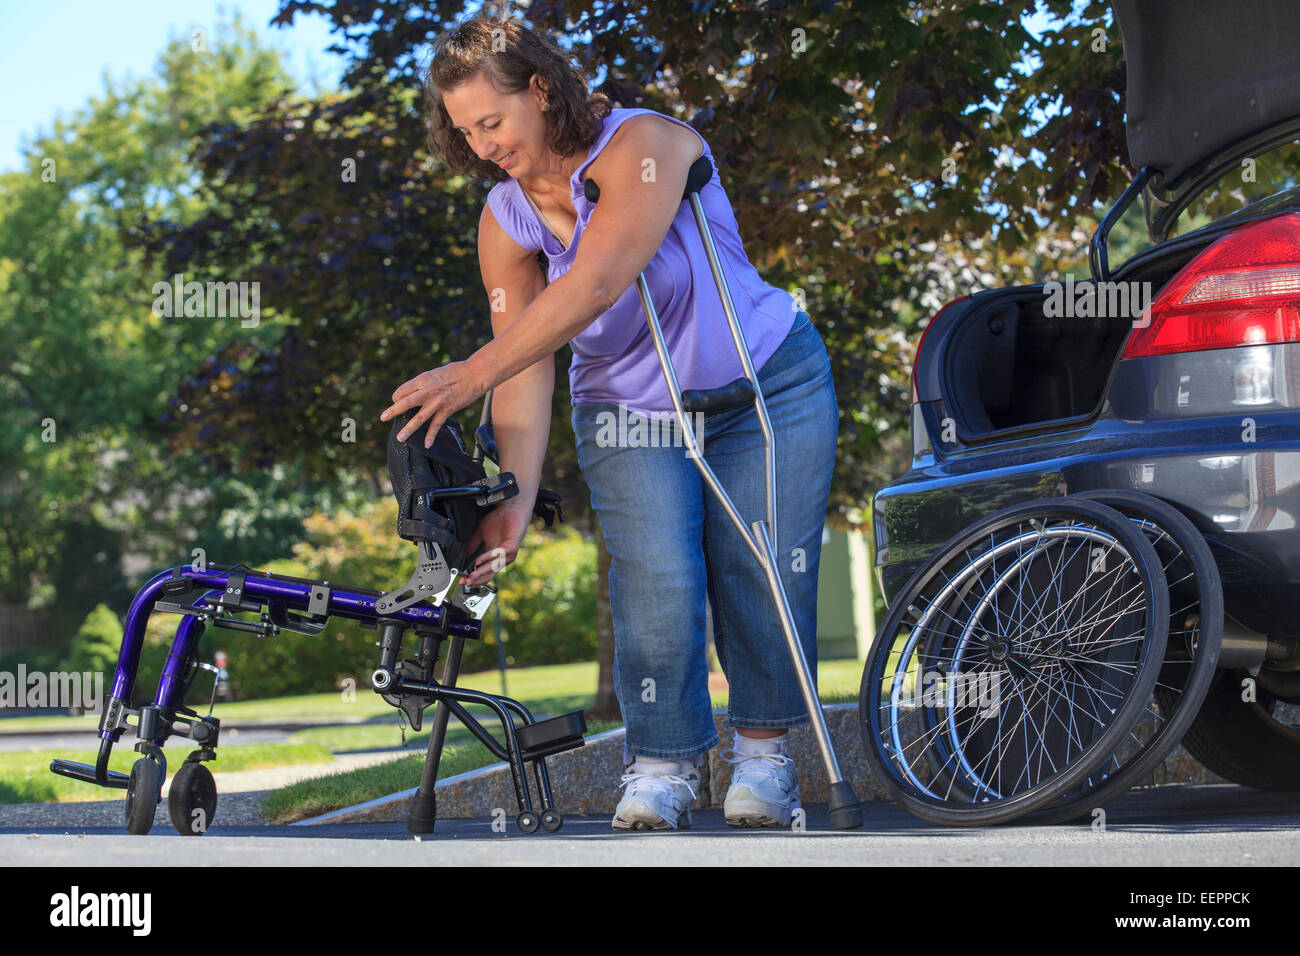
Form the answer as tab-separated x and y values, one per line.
606	706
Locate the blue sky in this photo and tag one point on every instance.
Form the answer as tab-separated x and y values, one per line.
55	52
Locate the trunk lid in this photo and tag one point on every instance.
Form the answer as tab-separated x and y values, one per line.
1209	83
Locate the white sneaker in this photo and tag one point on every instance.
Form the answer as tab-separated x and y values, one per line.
656	801
764	790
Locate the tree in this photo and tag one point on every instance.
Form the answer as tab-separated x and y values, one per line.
837	125
863	145
85	363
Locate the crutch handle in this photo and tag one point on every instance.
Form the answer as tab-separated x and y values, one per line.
708	400
699	176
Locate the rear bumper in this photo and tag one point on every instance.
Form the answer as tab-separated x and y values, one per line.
1240	486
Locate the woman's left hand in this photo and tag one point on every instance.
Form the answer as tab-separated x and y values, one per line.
440	393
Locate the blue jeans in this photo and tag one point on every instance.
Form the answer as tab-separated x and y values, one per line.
671	543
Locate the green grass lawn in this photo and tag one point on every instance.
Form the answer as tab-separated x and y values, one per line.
25	775
549	690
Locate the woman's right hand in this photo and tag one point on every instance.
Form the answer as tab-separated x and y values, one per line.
501	531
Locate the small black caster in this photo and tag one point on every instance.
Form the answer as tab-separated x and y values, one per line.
192	800
527	821
551	820
143	794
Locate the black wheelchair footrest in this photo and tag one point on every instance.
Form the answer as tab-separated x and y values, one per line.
551	736
81	771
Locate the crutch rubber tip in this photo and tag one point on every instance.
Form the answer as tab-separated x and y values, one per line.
845	812
423	812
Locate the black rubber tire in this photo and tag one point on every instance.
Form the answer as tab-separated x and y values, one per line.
1149	654
192	789
143	794
1242	741
551	820
527	821
1181	687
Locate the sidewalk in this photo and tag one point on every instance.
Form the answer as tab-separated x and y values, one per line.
239	796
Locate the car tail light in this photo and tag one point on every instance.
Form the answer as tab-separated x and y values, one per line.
1243	289
916	357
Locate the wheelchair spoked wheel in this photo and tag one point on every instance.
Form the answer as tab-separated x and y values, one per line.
1014	662
1191	654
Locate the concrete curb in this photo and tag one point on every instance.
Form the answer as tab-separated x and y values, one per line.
586	780
453	791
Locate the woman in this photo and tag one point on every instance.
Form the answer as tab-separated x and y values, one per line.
505	103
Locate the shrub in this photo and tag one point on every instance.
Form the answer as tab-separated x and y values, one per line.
94	647
548	602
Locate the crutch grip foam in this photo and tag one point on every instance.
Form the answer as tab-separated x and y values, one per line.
708	400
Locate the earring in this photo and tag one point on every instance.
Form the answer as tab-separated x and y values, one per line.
546	107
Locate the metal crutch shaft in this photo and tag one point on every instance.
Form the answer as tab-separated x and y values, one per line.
845	812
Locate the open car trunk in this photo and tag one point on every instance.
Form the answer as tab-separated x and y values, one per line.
1206	80
1009	360
1010	365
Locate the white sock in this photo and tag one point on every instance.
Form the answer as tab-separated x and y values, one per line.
755	745
650	765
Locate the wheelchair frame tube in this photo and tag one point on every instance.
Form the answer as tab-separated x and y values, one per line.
356	604
282	592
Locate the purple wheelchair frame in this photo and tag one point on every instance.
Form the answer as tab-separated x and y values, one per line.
407	684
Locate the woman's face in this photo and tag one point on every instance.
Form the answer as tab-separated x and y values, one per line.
500	128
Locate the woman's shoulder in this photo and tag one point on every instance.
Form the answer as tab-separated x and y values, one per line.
504	208
650	119
645	120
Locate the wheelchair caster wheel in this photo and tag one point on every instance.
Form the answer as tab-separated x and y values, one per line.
551	820
527	821
192	800
143	794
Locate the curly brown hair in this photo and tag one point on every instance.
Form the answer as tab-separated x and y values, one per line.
510	54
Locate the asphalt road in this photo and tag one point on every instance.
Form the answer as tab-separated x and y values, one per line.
1186	826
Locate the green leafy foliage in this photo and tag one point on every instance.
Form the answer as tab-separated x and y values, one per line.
832	126
548	603
96	644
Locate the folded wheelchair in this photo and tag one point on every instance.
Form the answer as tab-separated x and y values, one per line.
442	492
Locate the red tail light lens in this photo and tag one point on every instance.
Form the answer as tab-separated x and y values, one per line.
1244	289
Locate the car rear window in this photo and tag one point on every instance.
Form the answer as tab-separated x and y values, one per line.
1259	183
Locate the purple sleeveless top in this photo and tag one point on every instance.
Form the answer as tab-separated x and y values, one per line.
614	358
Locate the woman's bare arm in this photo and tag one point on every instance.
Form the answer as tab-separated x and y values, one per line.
521	405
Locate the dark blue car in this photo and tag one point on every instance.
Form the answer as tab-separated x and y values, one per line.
1175	373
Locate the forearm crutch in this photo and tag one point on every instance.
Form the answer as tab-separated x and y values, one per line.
845	814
